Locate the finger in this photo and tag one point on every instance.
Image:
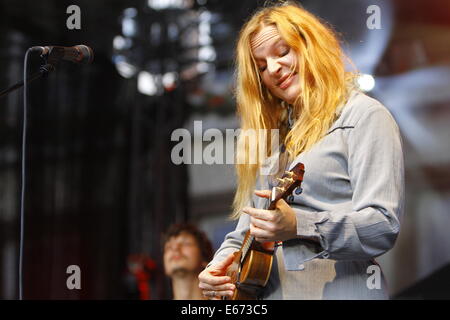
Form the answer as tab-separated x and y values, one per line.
263	224
223	287
223	265
259	213
260	234
263	193
209	294
282	205
215	280
217	295
222	294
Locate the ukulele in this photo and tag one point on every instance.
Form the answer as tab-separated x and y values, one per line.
252	264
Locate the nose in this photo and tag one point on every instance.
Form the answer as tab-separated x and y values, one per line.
174	246
273	66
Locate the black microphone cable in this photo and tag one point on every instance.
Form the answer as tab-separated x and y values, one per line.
23	169
84	55
23	178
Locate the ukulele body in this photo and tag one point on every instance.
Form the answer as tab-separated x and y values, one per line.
252	264
251	274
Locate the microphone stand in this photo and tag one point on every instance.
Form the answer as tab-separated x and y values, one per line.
44	70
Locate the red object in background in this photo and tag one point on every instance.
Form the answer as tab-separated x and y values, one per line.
216	101
141	267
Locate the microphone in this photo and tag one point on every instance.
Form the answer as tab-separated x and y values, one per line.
78	54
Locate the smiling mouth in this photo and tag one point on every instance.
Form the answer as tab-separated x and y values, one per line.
286	81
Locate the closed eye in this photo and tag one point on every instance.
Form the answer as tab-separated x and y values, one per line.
285	52
280	51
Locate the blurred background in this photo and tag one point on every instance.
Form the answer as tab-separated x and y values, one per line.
101	187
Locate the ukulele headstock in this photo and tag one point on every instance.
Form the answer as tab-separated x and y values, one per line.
288	182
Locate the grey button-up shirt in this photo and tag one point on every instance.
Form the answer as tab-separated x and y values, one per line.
352	201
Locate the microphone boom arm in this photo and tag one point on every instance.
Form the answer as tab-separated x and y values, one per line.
43	72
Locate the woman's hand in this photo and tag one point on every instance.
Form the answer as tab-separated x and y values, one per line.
272	225
213	281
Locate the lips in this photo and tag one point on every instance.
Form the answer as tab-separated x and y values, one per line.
285	81
176	257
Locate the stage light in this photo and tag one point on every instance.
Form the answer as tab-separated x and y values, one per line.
129	27
366	82
172	31
125	69
130	12
147	83
169	80
165	44
203	67
207	53
121	43
169	4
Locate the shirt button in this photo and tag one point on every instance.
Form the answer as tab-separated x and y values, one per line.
301	267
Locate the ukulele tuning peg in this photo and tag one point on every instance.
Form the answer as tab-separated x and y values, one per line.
290	174
280	180
289	180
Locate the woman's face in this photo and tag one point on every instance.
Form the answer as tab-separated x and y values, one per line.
276	62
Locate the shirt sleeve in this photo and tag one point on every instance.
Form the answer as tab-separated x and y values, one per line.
233	240
376	171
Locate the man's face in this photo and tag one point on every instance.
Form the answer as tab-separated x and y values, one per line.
182	254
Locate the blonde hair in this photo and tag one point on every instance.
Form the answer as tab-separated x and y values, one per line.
325	85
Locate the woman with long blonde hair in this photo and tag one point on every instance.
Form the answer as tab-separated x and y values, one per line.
291	77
